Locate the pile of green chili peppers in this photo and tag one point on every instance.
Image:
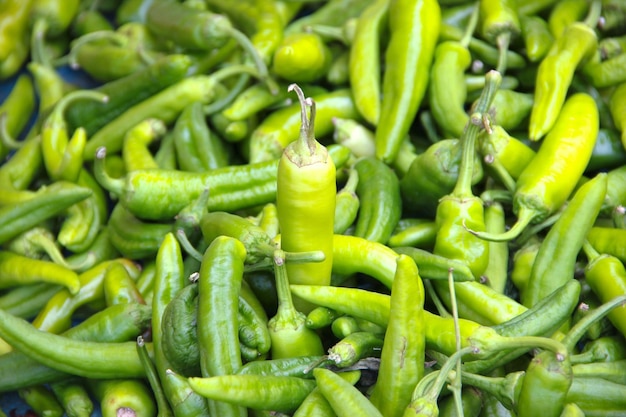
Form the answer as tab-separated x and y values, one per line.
313	208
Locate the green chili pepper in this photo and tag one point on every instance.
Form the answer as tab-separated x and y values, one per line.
162	403
26	301
610	371
301	58
126	92
19	171
347	204
402	357
56	315
262	21
17	108
364	69
219	283
564	13
379	193
497	268
549	178
446	89
85	218
87	359
344	326
617	103
253	331
597	397
289	334
537	36
46	203
119	287
603	349
73	397
460	209
267	392
344	398
555	261
100	250
169	281
14	33
113	324
554	76
606	276
315	405
132	237
437	267
63	156
41	400
416	24
108	56
166	105
432	175
546	383
135	152
195	29
305	200
523	261
197	148
20	270
179	334
88	21
158	194
123	396
420	234
38	243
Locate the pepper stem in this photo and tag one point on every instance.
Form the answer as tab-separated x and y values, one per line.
590	251
495	344
477	122
306	143
502	41
471	26
113	185
38	35
114	37
525	216
245	43
579	329
593	16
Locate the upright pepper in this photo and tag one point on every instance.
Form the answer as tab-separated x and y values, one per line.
402	357
414	28
305	200
288	331
461	209
219	283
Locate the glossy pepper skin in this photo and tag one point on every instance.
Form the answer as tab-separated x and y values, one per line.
461	209
364	62
14	33
555	262
221	273
554	76
414	23
305	200
378	190
606	276
402	355
301	58
552	174
447	91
